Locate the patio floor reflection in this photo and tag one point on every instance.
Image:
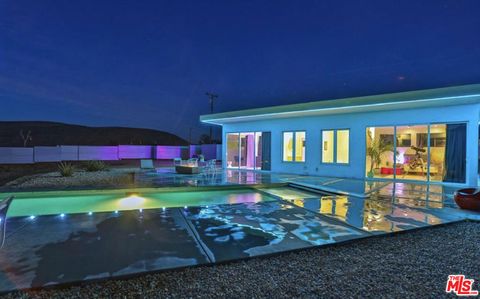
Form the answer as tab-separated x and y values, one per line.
390	209
166	177
245	230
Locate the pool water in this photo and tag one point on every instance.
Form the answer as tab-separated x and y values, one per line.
56	203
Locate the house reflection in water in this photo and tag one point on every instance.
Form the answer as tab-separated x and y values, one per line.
377	215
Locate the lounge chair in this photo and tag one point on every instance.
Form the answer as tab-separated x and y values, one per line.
4	204
146	164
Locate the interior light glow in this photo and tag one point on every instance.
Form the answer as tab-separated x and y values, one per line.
401	156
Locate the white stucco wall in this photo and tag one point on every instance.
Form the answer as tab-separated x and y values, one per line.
357	123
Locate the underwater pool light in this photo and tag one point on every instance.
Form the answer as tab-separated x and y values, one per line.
163	208
32	217
62	215
90	213
116	212
132	202
131	193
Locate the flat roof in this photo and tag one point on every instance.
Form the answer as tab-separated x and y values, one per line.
446	96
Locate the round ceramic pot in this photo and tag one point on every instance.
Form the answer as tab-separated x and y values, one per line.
468	199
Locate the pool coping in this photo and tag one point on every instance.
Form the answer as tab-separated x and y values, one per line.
21	194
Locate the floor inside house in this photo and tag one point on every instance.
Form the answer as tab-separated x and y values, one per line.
79	246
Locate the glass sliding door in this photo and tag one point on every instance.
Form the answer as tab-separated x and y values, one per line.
438	142
248	150
412	152
232	151
380	148
258	150
434	152
266	151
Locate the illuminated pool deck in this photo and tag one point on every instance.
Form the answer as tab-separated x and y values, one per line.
63	237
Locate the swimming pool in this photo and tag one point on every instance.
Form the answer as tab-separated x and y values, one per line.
57	203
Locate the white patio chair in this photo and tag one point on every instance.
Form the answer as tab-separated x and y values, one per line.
211	165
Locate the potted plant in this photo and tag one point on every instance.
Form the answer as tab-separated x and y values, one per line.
375	151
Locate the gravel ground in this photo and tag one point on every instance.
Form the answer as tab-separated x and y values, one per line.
80	178
10	172
410	265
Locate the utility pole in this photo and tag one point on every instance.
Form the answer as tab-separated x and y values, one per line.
190	135
212	98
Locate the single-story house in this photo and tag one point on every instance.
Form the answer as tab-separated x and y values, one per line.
426	135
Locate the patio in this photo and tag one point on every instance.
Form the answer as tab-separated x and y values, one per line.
50	250
167	177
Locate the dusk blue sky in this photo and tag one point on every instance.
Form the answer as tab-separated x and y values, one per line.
149	63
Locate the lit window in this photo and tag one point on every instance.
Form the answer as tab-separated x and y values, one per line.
294	146
343	137
327	147
335	146
300	146
287	146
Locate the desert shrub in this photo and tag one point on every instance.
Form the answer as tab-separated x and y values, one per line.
66	169
95	166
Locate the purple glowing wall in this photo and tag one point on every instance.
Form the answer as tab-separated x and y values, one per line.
21	155
104	153
135	151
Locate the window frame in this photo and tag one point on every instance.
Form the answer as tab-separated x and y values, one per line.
294	147
429	124
335	147
238	133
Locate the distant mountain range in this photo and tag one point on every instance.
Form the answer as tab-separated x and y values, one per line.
53	133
